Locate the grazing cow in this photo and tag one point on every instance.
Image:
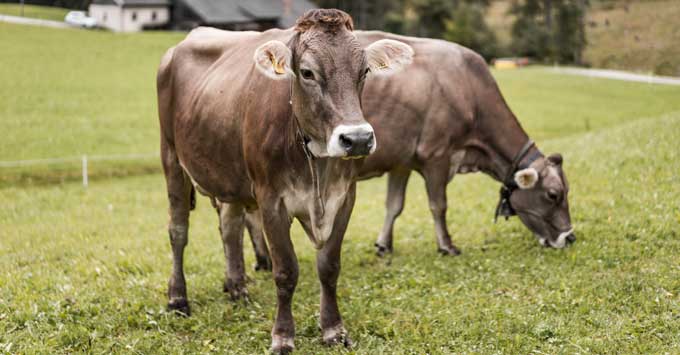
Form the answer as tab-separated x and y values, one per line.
260	122
445	115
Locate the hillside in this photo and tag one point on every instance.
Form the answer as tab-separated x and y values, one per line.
641	36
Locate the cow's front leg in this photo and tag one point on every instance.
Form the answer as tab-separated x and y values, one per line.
231	228
436	178
254	224
276	225
396	191
328	266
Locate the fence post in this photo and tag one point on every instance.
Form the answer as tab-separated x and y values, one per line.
84	170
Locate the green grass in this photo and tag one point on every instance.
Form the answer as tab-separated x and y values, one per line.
66	93
35	11
99	98
85	270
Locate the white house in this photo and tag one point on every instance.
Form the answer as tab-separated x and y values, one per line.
130	15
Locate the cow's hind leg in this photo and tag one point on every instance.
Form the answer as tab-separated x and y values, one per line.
254	225
180	193
396	191
231	228
436	179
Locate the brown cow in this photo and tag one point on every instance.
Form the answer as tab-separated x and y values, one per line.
445	115
259	121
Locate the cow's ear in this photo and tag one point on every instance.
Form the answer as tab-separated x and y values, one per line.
526	178
555	159
387	56
273	60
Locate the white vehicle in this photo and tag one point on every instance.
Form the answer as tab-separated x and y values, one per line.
80	19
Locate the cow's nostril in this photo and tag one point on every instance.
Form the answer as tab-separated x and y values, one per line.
571	238
345	141
371	140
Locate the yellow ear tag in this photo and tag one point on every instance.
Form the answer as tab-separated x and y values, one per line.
383	65
278	67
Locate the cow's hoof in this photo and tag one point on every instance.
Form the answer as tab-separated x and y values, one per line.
179	306
452	250
336	336
282	345
381	250
237	290
263	264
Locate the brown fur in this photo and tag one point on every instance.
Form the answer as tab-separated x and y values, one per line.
327	20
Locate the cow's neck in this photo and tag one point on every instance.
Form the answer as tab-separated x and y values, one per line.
317	192
495	142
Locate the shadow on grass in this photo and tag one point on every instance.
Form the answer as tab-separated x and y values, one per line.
25	177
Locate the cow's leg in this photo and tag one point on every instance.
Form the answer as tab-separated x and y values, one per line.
231	229
436	178
328	267
396	193
254	225
180	195
276	225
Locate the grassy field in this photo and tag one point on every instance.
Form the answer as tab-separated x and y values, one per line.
35	11
85	270
97	98
102	90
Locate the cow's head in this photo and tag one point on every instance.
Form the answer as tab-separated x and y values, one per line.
541	201
328	67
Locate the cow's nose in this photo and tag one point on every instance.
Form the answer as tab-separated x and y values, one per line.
357	143
571	238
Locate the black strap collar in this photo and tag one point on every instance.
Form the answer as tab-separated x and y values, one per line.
504	208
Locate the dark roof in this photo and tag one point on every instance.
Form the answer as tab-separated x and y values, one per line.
290	14
262	9
285	12
218	11
133	3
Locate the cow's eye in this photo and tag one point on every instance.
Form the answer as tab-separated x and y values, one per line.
307	74
553	195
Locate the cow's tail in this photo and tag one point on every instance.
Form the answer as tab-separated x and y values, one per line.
192	199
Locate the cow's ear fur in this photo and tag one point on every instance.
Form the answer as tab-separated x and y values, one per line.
526	178
387	56
273	59
555	159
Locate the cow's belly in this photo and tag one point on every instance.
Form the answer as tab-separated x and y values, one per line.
227	184
214	161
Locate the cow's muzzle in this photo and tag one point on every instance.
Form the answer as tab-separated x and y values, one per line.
564	239
354	141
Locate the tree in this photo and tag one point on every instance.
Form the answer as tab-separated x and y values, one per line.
468	28
461	21
549	29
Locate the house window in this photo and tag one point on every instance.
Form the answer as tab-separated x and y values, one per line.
153	16
134	16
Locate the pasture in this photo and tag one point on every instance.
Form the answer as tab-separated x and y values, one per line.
85	270
34	11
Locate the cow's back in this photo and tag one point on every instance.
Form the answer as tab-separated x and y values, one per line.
419	113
